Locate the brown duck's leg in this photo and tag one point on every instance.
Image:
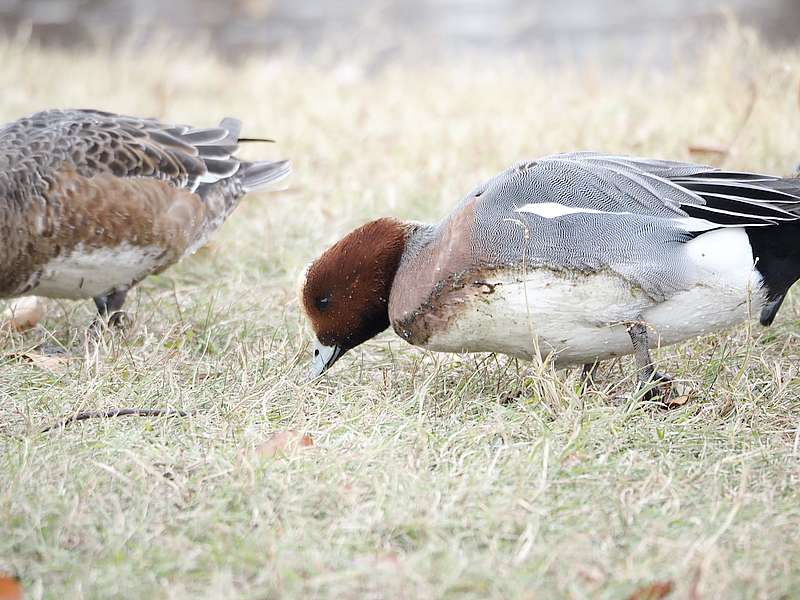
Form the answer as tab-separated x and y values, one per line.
109	308
641	352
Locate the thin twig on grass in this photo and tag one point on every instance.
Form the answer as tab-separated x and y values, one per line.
725	151
117	412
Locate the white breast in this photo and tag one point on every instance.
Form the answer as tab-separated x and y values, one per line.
583	317
89	272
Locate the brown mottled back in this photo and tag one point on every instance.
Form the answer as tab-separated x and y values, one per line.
89	180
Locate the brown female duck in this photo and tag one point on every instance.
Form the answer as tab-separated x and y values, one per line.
91	202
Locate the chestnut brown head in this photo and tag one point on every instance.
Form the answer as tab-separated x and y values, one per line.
345	292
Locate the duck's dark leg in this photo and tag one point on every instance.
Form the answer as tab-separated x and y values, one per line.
587	375
109	307
641	352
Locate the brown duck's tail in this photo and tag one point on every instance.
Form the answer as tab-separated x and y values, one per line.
224	172
258	175
254	175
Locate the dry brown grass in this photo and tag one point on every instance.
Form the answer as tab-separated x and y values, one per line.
430	476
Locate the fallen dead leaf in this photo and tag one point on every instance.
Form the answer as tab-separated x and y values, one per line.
678	394
385	561
284	442
653	591
591	574
24	313
54	364
677	400
708	149
10	588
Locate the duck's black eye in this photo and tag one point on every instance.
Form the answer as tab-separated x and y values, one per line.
322	303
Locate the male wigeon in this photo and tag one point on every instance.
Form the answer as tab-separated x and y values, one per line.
93	202
583	256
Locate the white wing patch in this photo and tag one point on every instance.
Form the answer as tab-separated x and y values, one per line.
554	210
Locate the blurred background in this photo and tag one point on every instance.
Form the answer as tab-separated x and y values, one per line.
619	32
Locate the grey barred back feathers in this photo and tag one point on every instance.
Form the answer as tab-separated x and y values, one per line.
627	213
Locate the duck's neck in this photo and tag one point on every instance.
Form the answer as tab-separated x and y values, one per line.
418	236
413	278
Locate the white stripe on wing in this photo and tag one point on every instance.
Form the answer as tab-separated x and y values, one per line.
554	210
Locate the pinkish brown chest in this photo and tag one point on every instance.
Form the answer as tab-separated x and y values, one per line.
428	273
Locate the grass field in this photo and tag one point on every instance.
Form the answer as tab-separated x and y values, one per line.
429	475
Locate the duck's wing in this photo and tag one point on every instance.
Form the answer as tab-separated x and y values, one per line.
92	142
589	212
690	196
